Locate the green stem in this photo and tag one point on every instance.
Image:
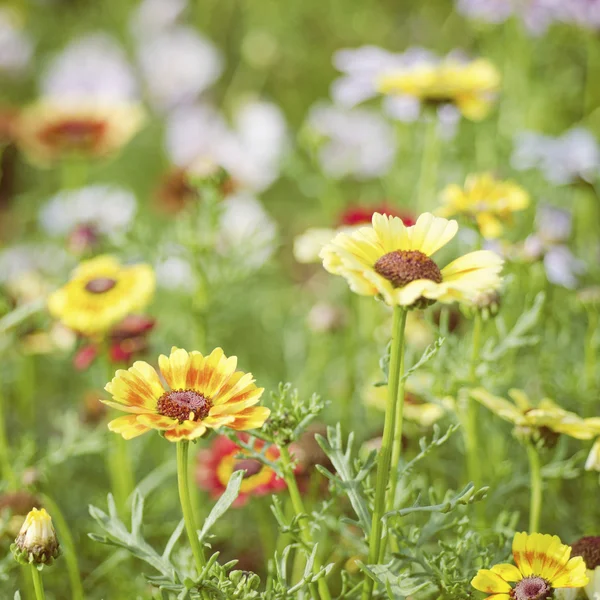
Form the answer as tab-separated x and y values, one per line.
351	347
7	471
68	546
186	505
590	348
535	473
38	584
429	163
471	432
305	535
385	454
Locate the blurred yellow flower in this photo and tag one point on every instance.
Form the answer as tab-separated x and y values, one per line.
204	392
393	261
50	130
543	563
485	199
544	421
101	293
470	86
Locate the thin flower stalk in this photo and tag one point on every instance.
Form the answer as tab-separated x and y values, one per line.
535	474
384	464
321	589
471	432
38	584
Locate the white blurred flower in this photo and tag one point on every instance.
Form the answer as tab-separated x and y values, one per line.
23	259
324	317
489	11
107	209
593	460
358	142
175	273
250	151
247	232
548	243
93	66
151	17
564	159
178	65
362	67
16	48
307	245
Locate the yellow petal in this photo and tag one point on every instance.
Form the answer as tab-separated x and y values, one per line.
489	582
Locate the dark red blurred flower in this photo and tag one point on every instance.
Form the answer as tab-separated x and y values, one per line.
216	464
127	340
357	214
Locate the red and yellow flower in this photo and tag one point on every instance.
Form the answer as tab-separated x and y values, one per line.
202	392
218	463
543	564
50	130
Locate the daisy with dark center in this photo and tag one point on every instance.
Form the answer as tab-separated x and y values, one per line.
100	294
201	393
204	392
393	261
542	565
50	131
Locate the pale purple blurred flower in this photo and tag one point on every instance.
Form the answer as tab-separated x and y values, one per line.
584	13
107	209
178	65
16	47
250	150
152	17
489	11
358	141
565	159
91	67
549	244
43	258
362	67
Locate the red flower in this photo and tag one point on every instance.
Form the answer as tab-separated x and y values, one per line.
357	215
216	465
127	340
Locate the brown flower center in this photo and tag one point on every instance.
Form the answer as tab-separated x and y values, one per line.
589	549
250	465
403	266
73	134
184	405
532	588
100	285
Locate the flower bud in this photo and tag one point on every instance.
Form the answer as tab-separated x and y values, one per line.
36	543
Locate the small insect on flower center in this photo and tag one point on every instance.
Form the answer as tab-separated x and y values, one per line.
250	465
403	266
184	405
100	285
589	549
532	588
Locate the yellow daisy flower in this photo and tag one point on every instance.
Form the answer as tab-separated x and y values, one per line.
393	261
50	130
543	564
470	86
487	200
546	421
203	392
101	293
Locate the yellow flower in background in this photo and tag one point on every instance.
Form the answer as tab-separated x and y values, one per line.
487	200
101	293
309	244
393	261
470	86
545	421
50	130
204	392
543	564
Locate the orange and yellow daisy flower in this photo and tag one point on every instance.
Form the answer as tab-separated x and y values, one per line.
470	86
542	564
217	464
394	262
485	199
100	294
204	392
50	130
